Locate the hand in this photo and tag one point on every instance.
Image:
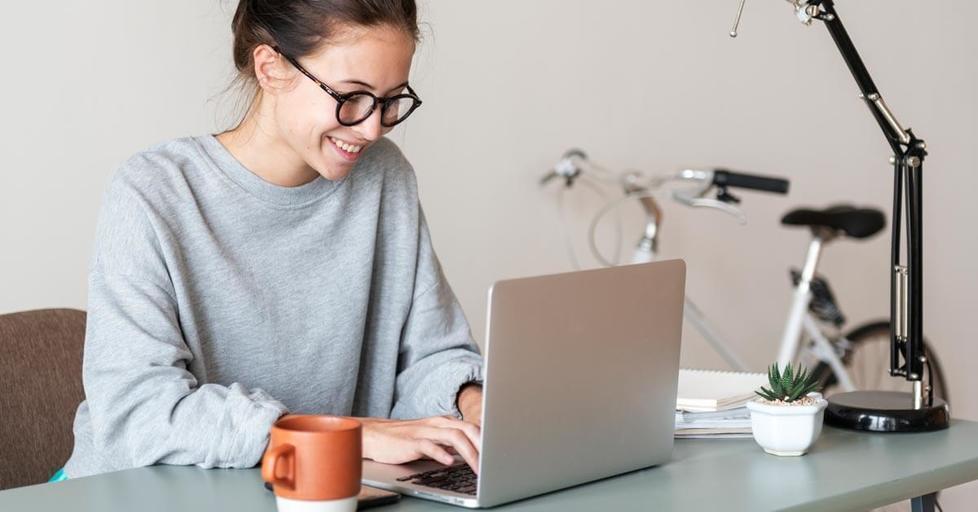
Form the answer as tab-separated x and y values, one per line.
400	441
469	402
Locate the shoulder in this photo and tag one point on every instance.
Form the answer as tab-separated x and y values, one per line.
141	197
158	171
385	160
385	153
395	184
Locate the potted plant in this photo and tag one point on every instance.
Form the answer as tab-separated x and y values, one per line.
787	418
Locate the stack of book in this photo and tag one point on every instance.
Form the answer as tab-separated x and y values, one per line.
712	403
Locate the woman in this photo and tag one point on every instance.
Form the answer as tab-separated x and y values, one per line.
282	266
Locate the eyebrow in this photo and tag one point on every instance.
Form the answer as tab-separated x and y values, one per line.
368	86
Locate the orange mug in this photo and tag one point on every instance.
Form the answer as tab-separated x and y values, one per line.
314	463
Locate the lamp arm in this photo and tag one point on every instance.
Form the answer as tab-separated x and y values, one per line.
894	132
906	288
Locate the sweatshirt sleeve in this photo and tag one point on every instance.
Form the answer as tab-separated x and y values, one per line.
437	355
145	406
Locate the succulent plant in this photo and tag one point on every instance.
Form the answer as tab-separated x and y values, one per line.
788	386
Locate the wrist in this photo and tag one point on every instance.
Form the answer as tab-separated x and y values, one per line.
469	397
368	436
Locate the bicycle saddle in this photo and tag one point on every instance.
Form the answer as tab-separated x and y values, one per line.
854	222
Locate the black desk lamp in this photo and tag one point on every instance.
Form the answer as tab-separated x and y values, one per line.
889	411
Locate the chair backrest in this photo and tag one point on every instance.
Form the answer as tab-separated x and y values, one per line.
40	389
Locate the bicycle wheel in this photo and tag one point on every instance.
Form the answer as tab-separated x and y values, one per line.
868	361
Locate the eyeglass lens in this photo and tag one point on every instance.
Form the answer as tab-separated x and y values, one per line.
358	107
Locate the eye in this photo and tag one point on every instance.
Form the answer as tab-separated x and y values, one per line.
356	108
397	109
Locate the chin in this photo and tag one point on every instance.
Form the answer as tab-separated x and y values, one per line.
334	172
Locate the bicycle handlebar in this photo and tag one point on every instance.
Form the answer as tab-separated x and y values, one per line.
638	185
575	164
726	178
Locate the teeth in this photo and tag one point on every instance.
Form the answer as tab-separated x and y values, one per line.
349	148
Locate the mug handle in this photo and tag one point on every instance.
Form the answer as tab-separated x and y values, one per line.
270	464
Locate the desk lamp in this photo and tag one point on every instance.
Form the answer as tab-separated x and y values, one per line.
888	411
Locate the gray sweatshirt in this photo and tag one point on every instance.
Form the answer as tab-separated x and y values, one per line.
219	301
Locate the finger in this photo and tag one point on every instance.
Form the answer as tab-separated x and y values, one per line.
473	432
458	440
428	448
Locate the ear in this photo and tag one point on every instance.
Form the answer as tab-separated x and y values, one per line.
272	71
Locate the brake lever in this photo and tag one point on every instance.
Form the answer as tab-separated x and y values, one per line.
695	199
724	195
567	168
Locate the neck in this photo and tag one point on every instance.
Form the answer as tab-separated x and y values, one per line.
256	144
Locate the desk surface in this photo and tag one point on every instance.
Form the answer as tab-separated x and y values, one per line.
844	470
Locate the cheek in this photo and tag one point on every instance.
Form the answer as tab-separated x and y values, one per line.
306	119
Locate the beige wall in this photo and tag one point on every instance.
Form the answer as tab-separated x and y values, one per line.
508	86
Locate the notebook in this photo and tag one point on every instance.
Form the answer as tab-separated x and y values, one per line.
716	390
730	423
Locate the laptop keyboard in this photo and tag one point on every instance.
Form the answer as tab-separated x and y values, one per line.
458	478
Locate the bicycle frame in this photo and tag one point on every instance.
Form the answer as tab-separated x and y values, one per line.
799	317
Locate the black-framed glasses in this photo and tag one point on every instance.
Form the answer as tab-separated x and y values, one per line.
355	107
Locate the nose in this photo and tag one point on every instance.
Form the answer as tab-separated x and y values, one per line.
370	129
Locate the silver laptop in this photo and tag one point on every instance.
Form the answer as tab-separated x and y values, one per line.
580	384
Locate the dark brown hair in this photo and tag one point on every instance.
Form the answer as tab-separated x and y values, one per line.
299	27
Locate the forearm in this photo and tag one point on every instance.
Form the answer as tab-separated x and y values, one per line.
430	386
145	406
214	426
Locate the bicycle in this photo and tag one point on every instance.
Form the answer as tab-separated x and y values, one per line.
813	332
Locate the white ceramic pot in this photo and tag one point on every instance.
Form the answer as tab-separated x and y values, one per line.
786	430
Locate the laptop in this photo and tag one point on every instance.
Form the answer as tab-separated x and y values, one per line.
581	371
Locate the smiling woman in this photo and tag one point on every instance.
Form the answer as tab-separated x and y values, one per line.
283	265
344	43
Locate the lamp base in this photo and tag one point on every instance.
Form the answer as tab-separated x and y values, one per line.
885	411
